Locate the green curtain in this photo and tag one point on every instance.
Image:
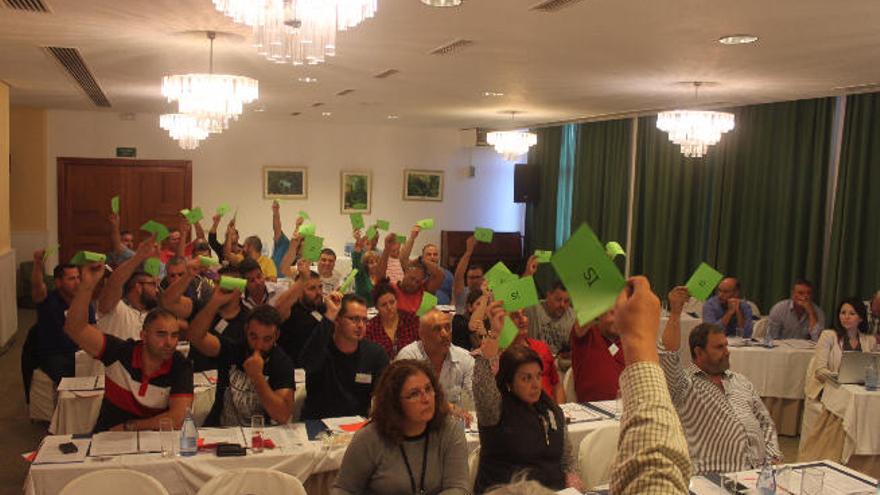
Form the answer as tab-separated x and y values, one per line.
769	217
854	264
540	223
565	187
601	179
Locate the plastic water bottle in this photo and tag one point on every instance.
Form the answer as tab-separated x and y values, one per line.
767	480
871	376
189	436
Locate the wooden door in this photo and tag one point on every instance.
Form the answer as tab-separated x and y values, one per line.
147	190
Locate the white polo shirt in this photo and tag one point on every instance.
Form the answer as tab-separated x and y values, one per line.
123	321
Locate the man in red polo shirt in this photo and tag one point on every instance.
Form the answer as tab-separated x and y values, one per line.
596	359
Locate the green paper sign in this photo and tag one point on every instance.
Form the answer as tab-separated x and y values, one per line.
85	257
50	251
499	274
482	234
613	250
592	279
543	256
192	216
703	281
208	261
357	221
307	229
426	223
157	228
508	333
312	247
114	204
401	239
223	209
348	280
372	232
517	294
232	283
383	224
429	301
304	215
153	266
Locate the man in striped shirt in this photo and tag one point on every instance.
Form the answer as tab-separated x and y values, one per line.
725	422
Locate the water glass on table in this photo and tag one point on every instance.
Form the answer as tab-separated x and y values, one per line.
812	481
167	437
257	423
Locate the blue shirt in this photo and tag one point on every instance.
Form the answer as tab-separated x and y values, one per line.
278	252
444	293
714	309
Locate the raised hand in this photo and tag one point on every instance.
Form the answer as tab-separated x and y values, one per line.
677	297
253	365
91	274
147	248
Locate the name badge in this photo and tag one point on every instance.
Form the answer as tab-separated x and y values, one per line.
363	378
317	316
221	326
613	349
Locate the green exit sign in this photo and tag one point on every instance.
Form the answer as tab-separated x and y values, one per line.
126	152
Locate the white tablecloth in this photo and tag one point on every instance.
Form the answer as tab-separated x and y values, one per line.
858	409
777	372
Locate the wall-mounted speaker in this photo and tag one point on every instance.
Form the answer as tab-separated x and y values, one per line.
526	182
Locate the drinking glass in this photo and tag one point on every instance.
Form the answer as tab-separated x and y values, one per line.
257	423
812	481
167	437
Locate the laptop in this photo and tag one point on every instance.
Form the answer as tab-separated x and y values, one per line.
852	366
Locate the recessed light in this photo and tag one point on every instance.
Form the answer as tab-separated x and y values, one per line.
393	117
259	109
442	3
738	39
492	93
307	80
326	114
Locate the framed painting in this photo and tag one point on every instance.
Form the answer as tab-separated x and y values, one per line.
285	183
423	185
356	190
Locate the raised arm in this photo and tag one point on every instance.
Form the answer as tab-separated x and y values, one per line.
290	254
77	326
284	303
200	231
112	292
458	281
487	397
185	233
39	291
172	298
672	333
277	232
406	249
115	236
314	352
212	237
227	242
390	239
435	276
198	335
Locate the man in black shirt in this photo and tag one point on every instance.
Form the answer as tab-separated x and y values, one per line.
341	366
305	315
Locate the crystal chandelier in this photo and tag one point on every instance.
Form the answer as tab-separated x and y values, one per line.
695	130
184	129
297	31
512	144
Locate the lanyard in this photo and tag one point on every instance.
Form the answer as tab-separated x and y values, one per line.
412	480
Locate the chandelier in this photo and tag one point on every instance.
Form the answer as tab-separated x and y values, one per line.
695	130
512	144
297	31
184	129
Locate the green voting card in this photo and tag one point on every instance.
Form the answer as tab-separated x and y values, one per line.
401	239
703	281
543	256
613	250
426	223
304	215
592	279
50	251
357	221
307	229
223	209
483	234
383	224
153	266
208	261
517	294
508	333
84	257
192	216
348	280
312	247
232	283
499	274
372	232
157	228
429	301
114	204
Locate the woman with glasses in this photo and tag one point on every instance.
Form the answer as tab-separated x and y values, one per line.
411	445
522	429
392	328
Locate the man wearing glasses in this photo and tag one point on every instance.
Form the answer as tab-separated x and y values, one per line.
341	366
129	295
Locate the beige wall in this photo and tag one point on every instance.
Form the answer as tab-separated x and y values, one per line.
27	136
5	236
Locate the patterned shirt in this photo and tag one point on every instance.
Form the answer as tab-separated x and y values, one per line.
727	429
652	455
456	375
407	332
554	331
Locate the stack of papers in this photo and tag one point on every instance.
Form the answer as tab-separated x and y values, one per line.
223	435
50	453
579	413
81	383
608	406
345	424
114	443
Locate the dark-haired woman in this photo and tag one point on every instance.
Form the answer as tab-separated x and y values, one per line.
411	445
522	430
391	328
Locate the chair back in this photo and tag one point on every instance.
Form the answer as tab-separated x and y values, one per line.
42	397
29	361
112	481
252	481
473	466
596	455
760	328
568	386
754	307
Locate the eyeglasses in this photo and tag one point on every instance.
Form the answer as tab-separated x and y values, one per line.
357	320
418	393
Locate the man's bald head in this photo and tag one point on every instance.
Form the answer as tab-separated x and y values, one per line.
435	331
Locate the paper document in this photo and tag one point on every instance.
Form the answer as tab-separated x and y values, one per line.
296	434
148	441
50	453
609	406
80	383
114	443
335	424
222	435
579	413
205	379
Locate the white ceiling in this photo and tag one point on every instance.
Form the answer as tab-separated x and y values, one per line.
593	58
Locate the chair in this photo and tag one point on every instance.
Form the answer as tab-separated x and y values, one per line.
754	307
107	481
42	397
473	466
252	481
568	386
29	361
760	328
596	454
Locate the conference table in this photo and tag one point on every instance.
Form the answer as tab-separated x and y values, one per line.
857	408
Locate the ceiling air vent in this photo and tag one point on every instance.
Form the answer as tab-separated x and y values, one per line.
386	73
344	92
27	5
73	63
451	48
553	5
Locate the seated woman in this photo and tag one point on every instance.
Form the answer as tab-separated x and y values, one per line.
850	333
411	444
521	428
391	328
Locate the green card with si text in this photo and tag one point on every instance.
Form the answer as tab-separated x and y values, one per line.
703	281
517	294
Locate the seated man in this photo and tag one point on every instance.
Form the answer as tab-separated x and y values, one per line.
254	376
145	380
453	365
341	366
727	310
725	422
258	291
597	359
55	350
185	291
124	316
553	319
797	317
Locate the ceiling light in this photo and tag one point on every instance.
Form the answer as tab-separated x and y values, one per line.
442	3
738	39
393	117
307	80
512	144
695	130
184	129
492	93
326	114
